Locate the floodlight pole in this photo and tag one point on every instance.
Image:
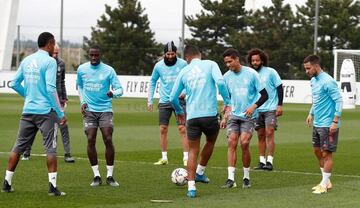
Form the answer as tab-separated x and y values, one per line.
316	25
61	27
182	42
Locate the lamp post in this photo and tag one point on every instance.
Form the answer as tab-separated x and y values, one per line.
316	25
182	30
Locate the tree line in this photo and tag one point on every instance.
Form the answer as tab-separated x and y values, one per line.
286	35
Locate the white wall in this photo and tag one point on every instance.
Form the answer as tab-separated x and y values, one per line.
8	15
295	91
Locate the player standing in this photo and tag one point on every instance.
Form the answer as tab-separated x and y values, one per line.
324	115
199	79
94	80
266	123
167	70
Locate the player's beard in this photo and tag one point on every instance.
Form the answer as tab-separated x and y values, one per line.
170	62
257	68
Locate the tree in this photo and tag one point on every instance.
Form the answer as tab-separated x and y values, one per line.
124	35
272	30
339	26
211	28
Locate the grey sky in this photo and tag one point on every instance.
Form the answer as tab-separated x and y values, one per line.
36	16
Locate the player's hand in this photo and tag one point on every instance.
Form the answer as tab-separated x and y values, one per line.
110	94
63	121
309	120
150	107
223	123
333	128
181	119
279	110
182	96
83	108
249	112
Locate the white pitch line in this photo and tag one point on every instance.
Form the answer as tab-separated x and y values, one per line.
213	167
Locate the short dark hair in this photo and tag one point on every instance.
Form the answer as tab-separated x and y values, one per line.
96	47
232	52
44	38
257	51
191	50
313	59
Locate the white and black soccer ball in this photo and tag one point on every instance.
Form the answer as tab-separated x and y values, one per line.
179	176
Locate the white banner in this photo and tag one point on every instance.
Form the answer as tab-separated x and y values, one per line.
295	91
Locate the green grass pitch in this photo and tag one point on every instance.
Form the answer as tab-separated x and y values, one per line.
136	139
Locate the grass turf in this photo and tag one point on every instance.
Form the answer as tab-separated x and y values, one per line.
137	147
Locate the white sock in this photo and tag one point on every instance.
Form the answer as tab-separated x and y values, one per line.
164	155
246	172
262	159
185	156
191	185
270	159
231	173
8	176
200	169
322	171
52	178
110	169
325	179
95	169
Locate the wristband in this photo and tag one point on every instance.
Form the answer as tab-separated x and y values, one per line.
335	122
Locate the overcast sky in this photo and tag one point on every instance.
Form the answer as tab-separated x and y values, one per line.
36	16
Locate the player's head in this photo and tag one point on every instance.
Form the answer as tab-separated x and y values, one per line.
191	52
170	53
312	65
95	55
232	59
56	51
257	58
46	42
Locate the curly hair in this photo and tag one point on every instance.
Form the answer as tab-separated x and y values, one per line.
261	53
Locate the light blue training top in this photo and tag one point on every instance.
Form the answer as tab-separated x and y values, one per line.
271	80
167	75
38	71
244	87
199	79
94	82
327	100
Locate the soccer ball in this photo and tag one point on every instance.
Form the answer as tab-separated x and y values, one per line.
179	176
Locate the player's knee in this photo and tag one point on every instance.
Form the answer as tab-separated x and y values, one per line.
108	141
182	129
270	132
163	129
245	143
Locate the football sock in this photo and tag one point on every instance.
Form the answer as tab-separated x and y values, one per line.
52	178
262	159
95	169
270	159
164	155
110	169
246	173
191	185
185	155
325	179
231	173
200	169
8	176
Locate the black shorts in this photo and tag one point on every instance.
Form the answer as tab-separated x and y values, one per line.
208	125
165	112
